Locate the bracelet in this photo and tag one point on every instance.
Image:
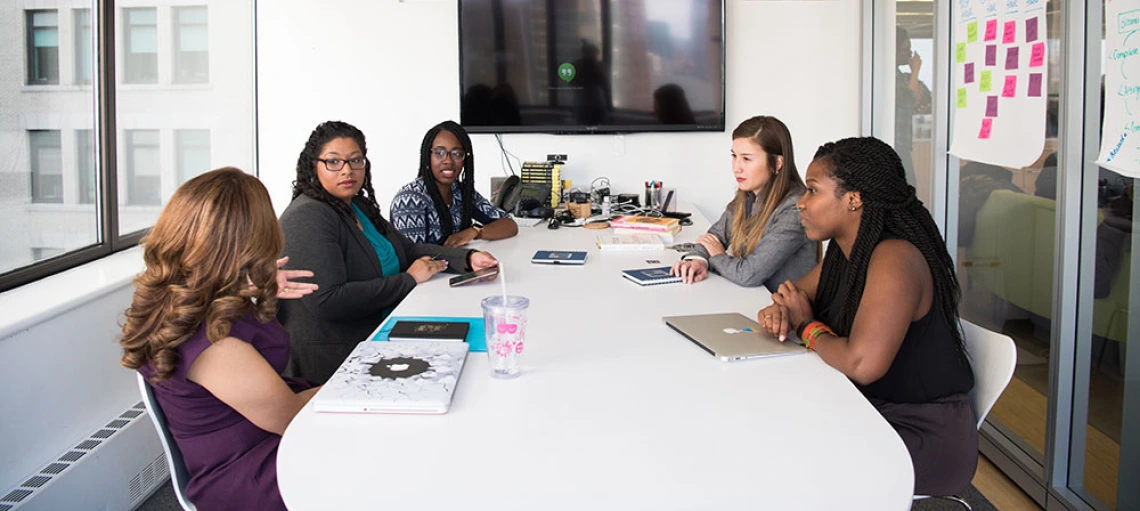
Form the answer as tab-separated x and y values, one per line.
811	331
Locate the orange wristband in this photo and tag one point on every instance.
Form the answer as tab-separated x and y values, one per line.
811	332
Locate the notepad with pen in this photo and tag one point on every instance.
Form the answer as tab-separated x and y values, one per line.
651	276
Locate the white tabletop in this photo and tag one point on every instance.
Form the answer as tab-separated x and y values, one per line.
613	410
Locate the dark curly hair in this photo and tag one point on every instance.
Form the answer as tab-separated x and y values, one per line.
308	184
467	185
890	210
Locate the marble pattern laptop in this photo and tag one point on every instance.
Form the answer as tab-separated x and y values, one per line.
395	377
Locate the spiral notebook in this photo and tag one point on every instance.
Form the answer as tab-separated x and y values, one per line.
651	276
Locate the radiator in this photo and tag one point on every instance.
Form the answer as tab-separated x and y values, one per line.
115	468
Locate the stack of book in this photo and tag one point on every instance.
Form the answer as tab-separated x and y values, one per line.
665	228
629	242
545	173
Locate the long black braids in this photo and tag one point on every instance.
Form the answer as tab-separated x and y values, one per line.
446	226
308	184
890	210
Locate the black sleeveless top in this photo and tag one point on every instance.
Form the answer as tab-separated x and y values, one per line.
927	365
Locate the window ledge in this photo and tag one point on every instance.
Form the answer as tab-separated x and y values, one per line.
31	304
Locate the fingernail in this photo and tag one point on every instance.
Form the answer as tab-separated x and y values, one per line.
783	337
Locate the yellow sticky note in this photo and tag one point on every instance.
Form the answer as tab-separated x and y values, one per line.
985	84
962	97
960	53
972	31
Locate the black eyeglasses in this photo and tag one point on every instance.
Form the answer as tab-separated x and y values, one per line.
335	164
456	154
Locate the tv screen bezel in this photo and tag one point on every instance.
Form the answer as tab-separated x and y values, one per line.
616	129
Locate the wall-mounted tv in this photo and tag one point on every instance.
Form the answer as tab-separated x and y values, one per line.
591	66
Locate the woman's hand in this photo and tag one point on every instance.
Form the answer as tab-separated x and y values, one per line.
794	301
286	288
423	268
691	271
711	243
774	320
480	260
461	238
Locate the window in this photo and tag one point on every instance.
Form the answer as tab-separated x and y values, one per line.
59	206
144	183
43	47
140	57
82	38
191	45
192	149
85	165
47	166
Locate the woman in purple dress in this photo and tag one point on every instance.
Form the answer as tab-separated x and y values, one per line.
201	329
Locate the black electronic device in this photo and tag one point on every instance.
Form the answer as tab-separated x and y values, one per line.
474	276
676	214
554	223
507	195
591	78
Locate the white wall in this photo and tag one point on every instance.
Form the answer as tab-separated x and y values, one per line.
391	68
62	380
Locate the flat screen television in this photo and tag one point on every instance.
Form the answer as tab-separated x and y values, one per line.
591	66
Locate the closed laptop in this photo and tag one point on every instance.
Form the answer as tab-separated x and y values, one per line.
731	336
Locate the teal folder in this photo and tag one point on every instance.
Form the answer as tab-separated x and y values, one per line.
476	336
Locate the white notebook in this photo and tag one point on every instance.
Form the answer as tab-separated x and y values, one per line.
629	242
394	377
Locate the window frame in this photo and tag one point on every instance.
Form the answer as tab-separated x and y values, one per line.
81	20
109	239
35	163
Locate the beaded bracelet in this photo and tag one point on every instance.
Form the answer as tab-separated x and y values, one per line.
811	331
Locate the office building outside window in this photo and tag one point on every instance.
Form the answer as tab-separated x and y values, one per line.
191	45
144	181
47	166
82	39
85	165
43	47
140	57
192	148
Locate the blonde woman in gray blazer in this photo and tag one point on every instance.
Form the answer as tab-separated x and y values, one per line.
758	240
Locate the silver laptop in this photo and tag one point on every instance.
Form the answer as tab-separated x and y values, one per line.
732	336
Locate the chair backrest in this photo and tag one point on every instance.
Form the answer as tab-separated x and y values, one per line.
993	357
179	476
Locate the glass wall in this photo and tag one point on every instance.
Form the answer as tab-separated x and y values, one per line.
1067	427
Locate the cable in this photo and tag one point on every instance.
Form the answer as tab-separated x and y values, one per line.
506	155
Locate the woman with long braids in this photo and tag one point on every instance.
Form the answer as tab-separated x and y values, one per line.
363	265
200	328
758	240
441	205
882	307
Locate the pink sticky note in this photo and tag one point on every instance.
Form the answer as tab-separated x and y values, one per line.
1037	57
991	55
991	106
1010	87
1031	29
968	73
991	30
1035	85
1011	57
1009	35
987	126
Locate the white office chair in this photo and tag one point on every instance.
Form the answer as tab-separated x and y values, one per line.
179	476
992	357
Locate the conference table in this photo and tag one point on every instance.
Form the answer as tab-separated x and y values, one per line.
613	410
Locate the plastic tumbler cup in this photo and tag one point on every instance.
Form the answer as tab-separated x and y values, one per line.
505	323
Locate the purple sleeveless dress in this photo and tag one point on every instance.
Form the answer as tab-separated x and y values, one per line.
232	462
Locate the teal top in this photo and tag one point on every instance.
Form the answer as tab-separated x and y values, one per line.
389	263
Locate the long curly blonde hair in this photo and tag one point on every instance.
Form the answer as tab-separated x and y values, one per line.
210	258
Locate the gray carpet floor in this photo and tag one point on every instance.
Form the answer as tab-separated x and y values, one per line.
163	500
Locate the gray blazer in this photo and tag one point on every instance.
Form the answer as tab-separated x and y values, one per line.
353	297
783	253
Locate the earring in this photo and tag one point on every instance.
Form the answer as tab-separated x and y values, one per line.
852	208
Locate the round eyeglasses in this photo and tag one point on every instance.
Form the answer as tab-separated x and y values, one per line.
455	154
335	164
